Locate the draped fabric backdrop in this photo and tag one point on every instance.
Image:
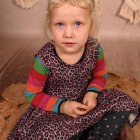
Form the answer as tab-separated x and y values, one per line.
22	34
130	8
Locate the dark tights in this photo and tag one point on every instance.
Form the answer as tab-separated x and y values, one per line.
106	129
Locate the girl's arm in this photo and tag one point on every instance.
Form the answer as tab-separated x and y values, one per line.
98	75
35	85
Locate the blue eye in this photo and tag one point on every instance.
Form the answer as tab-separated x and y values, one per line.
59	24
78	23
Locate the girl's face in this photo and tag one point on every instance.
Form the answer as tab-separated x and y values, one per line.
70	27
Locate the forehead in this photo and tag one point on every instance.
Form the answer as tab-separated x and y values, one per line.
68	11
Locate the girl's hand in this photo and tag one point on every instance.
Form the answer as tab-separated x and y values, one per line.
73	108
90	100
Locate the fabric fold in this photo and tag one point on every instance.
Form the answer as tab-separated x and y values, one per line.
131	11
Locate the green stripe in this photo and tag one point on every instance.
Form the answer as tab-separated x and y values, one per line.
39	68
30	98
101	55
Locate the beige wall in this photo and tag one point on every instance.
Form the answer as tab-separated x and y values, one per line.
120	40
114	26
15	20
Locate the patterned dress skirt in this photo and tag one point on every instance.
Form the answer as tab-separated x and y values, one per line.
37	124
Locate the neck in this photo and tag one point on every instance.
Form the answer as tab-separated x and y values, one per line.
70	58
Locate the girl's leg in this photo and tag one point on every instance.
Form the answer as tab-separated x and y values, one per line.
106	129
109	126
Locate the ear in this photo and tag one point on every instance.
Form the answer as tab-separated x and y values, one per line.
92	27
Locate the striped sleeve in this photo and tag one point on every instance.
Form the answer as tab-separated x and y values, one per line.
99	74
35	85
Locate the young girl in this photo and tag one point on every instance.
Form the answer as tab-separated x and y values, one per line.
66	81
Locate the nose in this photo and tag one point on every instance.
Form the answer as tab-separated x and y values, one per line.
68	33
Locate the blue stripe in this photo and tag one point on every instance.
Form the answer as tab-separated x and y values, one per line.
93	89
27	93
55	108
100	49
105	76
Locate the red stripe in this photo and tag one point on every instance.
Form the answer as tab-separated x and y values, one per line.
102	79
100	62
37	75
37	99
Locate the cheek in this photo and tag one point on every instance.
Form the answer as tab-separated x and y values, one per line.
57	38
56	35
84	32
84	36
54	31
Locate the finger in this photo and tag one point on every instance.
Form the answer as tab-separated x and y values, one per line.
80	112
84	102
92	106
74	115
82	106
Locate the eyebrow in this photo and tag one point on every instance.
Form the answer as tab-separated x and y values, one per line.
75	19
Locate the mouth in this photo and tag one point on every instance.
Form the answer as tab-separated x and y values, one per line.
69	44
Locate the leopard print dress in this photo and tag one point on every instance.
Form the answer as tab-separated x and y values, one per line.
69	82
